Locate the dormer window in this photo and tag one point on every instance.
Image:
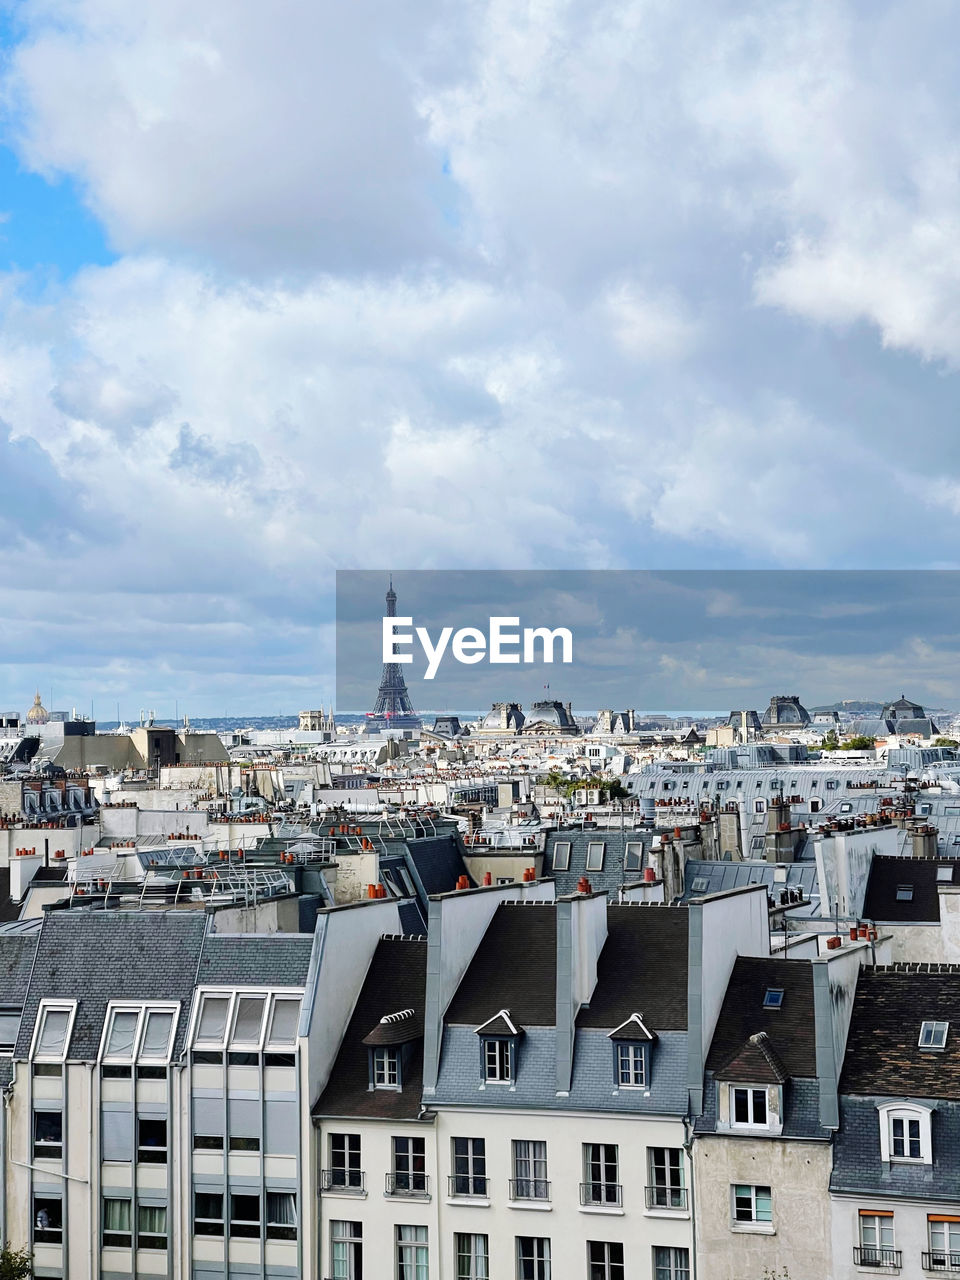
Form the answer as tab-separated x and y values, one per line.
905	1133
933	1035
499	1037
748	1107
632	1043
386	1068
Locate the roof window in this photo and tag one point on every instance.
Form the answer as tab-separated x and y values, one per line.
945	873
933	1035
773	998
904	892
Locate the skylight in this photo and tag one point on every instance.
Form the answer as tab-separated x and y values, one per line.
933	1035
773	997
904	892
699	884
945	873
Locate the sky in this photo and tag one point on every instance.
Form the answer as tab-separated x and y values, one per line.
678	642
299	287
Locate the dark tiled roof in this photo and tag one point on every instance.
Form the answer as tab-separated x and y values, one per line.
921	873
17	952
790	1028
613	873
755	1062
395	980
500	1026
439	863
255	959
514	967
97	956
8	910
642	969
399	1027
883	1055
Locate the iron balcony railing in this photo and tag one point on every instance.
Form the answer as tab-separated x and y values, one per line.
349	1181
529	1189
940	1260
870	1255
666	1197
407	1184
601	1193
467	1184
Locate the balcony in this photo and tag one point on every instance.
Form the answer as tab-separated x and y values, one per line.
408	1186
467	1184
666	1197
601	1194
941	1260
529	1189
869	1255
347	1182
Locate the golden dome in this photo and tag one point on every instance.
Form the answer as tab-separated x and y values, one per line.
38	713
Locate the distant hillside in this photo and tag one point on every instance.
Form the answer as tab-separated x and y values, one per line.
851	707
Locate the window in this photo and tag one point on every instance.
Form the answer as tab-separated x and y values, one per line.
281	1215
666	1189
752	1204
248	1020
671	1264
52	1035
604	1260
151	1140
346	1250
631	1065
904	892
601	1185
208	1213
151	1226
533	1258
117	1223
944	1233
469	1167
529	1171
748	1107
409	1175
344	1171
47	1135
472	1254
905	1138
412	1253
497	1059
212	1023
945	873
244	1217
876	1240
933	1035
47	1219
386	1068
208	1142
905	1132
136	1034
561	855
759	806
773	998
700	884
633	855
9	1026
284	1021
595	855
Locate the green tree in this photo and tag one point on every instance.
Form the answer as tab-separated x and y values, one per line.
830	742
859	742
556	782
15	1264
946	742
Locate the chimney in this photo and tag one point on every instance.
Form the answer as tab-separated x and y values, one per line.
581	933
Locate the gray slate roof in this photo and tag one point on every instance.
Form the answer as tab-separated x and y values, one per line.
255	959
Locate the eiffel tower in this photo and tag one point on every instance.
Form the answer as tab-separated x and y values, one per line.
393	709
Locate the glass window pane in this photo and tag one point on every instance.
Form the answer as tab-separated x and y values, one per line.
116	1215
246	1026
213	1020
123	1032
152	1219
156	1038
9	1025
53	1033
283	1024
